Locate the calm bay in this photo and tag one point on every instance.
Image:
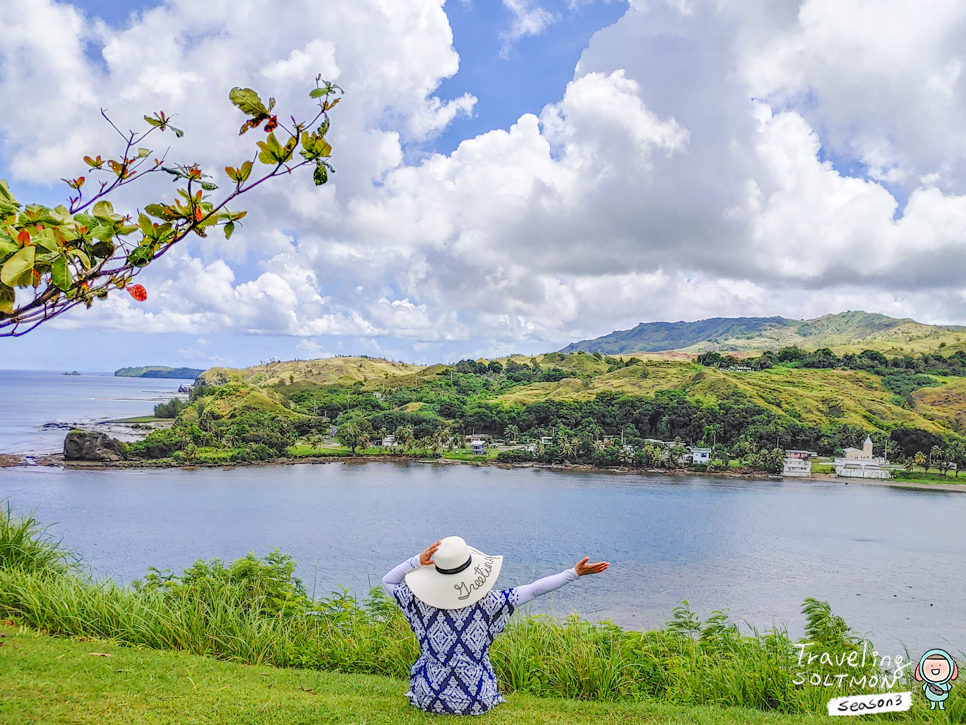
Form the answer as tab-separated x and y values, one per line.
889	560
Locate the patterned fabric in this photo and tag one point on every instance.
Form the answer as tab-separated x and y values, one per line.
453	673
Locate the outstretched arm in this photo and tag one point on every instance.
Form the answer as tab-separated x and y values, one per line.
528	592
394	577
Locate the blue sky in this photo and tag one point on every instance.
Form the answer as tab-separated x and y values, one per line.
585	166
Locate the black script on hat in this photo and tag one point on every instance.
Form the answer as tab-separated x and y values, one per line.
482	574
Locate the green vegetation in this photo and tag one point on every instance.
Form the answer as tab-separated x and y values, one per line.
158	371
171	409
575	408
255	611
843	332
56	681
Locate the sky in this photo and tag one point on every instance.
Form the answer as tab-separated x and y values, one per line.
510	176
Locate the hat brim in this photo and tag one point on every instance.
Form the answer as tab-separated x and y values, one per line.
455	591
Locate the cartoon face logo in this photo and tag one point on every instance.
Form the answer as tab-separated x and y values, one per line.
935	671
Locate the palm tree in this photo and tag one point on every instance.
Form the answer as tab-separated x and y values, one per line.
404	436
511	433
920	460
437	441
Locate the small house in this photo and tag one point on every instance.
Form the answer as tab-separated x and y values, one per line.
700	456
478	447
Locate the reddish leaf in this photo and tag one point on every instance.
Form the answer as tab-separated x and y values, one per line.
272	124
138	292
24	237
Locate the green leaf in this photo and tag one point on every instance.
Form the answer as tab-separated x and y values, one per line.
103	232
321	174
177	131
271	153
126	229
143	152
319	92
245	170
81	255
247	101
208	186
152	121
102	250
7	246
60	273
141	256
103	210
17	269
161	212
46	240
147	226
6	195
229	228
7	299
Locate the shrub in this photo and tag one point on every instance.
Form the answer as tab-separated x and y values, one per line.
517	455
169	409
157	444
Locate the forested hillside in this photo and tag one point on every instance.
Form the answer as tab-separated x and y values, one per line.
583	402
844	332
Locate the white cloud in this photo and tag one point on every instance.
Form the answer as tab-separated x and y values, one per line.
702	162
528	19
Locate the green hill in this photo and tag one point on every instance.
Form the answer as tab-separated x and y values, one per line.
159	371
843	332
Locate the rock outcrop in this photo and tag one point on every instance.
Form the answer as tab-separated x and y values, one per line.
82	445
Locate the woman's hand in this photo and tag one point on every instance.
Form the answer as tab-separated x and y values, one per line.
426	558
583	568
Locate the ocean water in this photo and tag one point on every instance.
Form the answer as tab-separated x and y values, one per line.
38	408
889	560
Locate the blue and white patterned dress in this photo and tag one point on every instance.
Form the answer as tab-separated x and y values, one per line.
453	673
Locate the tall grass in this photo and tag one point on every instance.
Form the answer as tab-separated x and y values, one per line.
25	545
254	610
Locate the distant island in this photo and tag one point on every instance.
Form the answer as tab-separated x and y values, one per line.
72	373
158	371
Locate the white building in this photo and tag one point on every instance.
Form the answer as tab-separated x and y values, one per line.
478	447
797	463
861	463
700	456
389	441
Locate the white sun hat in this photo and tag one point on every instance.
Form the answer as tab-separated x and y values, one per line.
458	577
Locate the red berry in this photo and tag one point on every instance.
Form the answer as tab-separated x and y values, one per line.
137	291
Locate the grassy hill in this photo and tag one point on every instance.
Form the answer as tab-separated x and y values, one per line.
159	371
843	332
343	371
814	397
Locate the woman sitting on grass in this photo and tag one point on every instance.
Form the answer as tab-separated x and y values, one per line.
447	599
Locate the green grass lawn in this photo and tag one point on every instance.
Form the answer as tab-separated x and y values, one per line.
490	455
52	680
923	477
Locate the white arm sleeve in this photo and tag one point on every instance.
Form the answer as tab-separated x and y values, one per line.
396	576
528	592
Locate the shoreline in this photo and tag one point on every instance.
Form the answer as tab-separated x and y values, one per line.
56	460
